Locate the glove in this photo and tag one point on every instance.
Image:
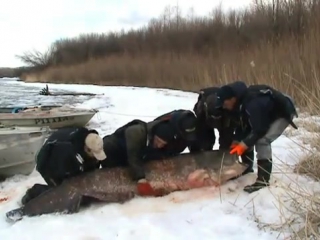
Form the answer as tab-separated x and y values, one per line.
238	149
255	187
145	189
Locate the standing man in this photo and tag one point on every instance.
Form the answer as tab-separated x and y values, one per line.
264	114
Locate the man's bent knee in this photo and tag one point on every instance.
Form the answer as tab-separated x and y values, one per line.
263	145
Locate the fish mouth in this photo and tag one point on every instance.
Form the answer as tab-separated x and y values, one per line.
201	178
196	179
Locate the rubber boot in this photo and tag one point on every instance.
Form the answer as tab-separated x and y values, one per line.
248	158
34	192
264	172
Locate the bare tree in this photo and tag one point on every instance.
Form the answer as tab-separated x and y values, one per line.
37	59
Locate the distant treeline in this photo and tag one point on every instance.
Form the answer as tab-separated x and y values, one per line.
14	72
173	33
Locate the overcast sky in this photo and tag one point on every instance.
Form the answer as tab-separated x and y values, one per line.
35	24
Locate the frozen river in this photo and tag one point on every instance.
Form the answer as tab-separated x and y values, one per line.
12	93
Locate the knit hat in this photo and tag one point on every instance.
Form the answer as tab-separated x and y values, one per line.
224	93
164	131
213	106
95	143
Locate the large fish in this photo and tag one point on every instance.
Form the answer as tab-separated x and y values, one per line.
114	185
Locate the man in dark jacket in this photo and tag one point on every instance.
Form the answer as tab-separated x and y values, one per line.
184	126
137	142
264	114
210	116
66	153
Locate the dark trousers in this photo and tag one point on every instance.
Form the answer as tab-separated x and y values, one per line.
37	189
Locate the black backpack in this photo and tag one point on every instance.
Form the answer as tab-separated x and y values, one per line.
174	117
203	95
120	131
284	103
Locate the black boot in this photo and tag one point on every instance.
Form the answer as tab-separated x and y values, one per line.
34	192
264	172
247	158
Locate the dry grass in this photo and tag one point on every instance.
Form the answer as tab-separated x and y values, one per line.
306	205
309	165
303	219
297	77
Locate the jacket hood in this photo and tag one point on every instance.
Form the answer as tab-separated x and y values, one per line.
236	89
239	88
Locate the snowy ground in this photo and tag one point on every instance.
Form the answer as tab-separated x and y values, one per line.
226	213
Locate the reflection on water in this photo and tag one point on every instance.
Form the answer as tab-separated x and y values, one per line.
12	94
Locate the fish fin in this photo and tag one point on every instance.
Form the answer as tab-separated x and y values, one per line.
60	199
74	205
15	215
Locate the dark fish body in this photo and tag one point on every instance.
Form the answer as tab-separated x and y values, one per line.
114	185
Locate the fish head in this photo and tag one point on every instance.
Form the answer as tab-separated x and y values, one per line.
218	165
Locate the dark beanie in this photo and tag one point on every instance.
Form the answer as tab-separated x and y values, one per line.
224	93
164	131
213	106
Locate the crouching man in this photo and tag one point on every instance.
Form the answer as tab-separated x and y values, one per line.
66	153
211	116
137	142
264	114
183	125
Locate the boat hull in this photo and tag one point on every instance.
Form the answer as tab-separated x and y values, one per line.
18	148
54	118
